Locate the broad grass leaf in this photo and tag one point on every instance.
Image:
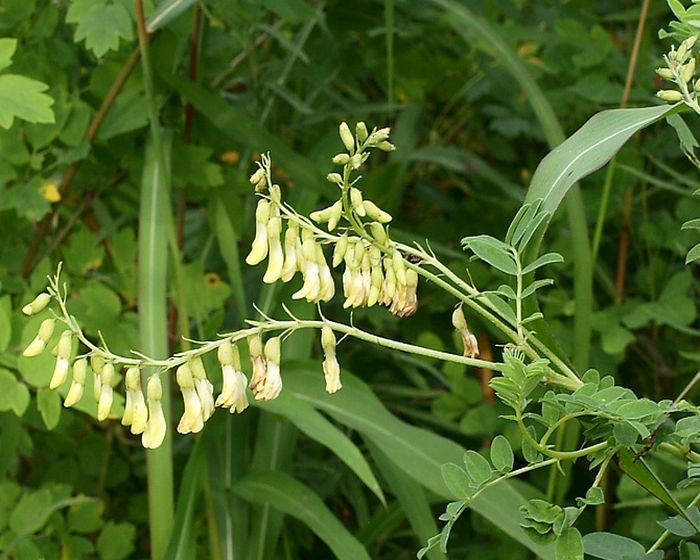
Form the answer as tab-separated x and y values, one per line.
588	149
290	496
165	12
307	419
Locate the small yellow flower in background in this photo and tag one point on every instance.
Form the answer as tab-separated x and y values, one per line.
50	192
230	157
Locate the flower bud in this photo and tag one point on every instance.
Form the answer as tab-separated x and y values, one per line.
97	363
191	420
356	202
106	394
75	393
135	410
399	267
346	137
272	349
696	87
458	319
379	135
38	304
276	255
386	146
335	178
228	355
665	73
276	195
687	70
685	48
38	345
376	213
336	212
377	231
331	372
361	131
259	179
341	159
259	249
270	385
357	160
669	95
339	250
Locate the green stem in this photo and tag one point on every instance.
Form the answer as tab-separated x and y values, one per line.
559	455
152	293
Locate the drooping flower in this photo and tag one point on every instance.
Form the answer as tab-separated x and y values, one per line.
37	304
75	393
331	368
38	345
270	385
233	394
60	371
153	435
135	410
191	420
104	402
259	249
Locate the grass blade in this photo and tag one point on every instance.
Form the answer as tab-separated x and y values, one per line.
293	498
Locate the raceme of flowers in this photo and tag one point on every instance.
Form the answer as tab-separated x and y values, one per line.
375	272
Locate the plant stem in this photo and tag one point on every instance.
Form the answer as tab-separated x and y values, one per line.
154	219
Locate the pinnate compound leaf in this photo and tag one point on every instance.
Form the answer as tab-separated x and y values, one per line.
23	98
100	23
570	545
492	251
501	454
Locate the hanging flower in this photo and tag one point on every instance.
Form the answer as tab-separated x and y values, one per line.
154	434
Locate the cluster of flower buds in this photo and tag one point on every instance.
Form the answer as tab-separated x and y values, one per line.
679	69
459	322
369	278
375	271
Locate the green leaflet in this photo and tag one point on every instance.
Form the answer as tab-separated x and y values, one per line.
292	497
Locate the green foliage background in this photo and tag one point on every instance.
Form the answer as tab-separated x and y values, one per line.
310	476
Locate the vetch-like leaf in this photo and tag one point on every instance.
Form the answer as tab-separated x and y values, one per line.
456	480
570	545
547	258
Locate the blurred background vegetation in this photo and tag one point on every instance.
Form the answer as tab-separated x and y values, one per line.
234	78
